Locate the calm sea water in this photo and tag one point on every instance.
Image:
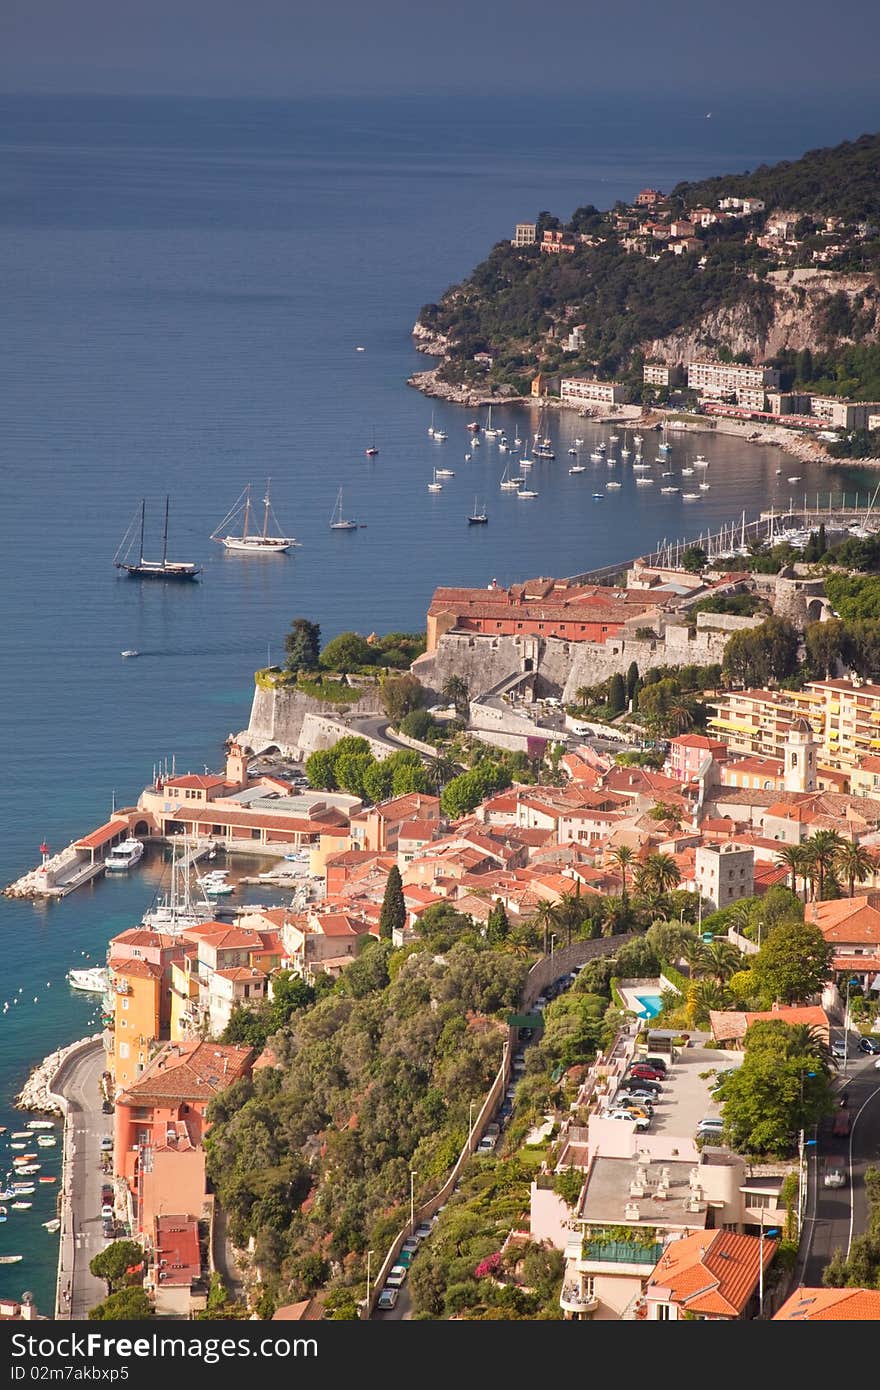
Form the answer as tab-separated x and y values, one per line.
184	286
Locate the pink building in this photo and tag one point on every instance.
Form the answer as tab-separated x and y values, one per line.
688	752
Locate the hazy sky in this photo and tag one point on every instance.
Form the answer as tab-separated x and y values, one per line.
288	48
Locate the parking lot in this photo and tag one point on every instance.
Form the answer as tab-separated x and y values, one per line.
686	1096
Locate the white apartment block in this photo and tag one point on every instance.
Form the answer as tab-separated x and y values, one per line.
844	415
724	874
728	378
589	391
525	234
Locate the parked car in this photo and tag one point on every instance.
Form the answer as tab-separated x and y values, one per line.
411	1244
869	1045
424	1228
641	1083
839	1048
842	1124
834	1177
486	1145
639	1091
634	1103
108	1230
106	1145
387	1299
638	1109
640	1121
397	1276
657	1063
646	1073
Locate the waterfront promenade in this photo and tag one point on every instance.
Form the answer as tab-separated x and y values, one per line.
78	1083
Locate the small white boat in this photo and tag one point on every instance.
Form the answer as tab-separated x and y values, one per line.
435	486
644	482
476	442
613	438
637	440
445	473
704	487
474	425
129	651
47	1141
17	1146
577	468
28	1168
598	496
795	479
526	492
686	472
625	453
337	521
440	435
13	1259
577	440
690	497
92	981
637	464
613	484
670	489
216	889
124	856
22	1134
517	443
21	1206
701	462
601	448
53	1225
467	458
360	349
778	471
596	456
526	463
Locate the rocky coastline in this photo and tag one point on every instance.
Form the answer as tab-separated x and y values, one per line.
35	1093
804	447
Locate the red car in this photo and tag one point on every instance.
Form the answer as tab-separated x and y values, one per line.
645	1073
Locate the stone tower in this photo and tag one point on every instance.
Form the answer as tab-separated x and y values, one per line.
800	757
236	767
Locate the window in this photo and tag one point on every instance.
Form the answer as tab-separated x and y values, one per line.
123	1004
123	1050
664	1312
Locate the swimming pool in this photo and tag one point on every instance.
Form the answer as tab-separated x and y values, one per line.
651	1005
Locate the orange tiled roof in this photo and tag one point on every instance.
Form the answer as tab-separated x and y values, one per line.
100	836
847	920
830	1305
712	1272
190	1071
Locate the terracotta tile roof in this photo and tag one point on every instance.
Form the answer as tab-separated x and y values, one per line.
856	963
176	1249
194	780
339	924
830	1305
100	836
241	972
131	965
848	920
732	1023
144	937
712	1272
190	1071
417	830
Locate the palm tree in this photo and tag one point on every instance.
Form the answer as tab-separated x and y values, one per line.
662	872
792	857
694	952
855	863
622	856
441	769
720	960
457	693
704	995
824	848
583	695
679	716
545	917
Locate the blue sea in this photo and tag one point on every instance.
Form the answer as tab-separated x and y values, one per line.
184	287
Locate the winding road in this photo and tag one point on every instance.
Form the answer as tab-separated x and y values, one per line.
79	1081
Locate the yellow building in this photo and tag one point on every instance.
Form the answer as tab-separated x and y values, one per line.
184	1001
844	715
136	986
335	841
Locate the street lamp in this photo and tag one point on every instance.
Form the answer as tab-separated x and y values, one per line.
470	1120
412	1206
552	940
369	1257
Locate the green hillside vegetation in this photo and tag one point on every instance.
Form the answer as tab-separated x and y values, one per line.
840	180
518	304
372	1082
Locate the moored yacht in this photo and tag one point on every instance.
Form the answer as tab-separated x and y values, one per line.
124	856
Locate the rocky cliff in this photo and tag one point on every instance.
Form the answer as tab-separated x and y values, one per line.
797	318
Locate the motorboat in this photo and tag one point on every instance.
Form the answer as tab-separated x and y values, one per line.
526	492
124	856
577	468
129	651
598	496
91	981
686	472
670	489
47	1141
701	462
704	487
644	482
795	479
41	1124
613	484
596	456
690	497
445	473
53	1225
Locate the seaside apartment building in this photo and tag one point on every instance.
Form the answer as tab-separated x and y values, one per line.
661	374
588	391
555	242
844	715
524	234
843	414
748	384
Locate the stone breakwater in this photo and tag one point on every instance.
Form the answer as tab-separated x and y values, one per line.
35	1094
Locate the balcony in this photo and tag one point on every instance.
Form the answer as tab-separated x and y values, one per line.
628	1252
576	1300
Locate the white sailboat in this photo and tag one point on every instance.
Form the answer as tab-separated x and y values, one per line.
247	541
337	521
488	431
507	483
177	909
435	486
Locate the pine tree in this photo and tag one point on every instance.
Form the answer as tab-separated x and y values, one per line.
497	925
302	644
616	694
393	916
632	681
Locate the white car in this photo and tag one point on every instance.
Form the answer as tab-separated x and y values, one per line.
835	1177
639	1121
387	1299
396	1277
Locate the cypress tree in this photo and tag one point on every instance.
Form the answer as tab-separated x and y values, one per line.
616	694
497	925
393	914
632	681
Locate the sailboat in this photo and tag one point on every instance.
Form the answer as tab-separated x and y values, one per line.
488	431
479	516
431	426
252	542
337	521
177	909
434	486
507	483
150	569
372	451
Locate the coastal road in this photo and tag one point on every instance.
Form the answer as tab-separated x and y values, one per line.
836	1213
80	1083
